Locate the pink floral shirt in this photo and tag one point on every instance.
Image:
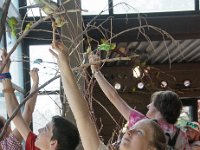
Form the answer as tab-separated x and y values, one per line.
182	141
10	143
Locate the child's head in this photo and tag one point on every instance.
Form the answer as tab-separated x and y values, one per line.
145	134
59	134
167	103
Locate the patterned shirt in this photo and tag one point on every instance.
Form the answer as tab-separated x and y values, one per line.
10	143
182	141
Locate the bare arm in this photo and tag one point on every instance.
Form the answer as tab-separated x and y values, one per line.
78	104
30	104
12	104
109	90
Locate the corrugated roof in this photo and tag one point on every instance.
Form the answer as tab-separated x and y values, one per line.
162	52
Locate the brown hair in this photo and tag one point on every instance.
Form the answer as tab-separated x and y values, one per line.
1	123
159	140
169	105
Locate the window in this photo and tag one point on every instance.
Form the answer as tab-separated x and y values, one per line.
48	101
46	107
41	58
94	7
146	6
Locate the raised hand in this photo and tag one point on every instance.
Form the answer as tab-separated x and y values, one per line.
34	75
59	51
7	66
93	58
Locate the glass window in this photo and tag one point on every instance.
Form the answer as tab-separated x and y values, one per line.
42	115
146	6
41	58
46	105
13	9
35	11
94	7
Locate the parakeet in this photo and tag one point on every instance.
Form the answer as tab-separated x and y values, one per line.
12	23
28	26
49	8
106	46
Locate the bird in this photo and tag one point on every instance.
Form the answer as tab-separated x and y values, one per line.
12	24
49	8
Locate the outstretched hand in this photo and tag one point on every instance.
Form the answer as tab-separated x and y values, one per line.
7	66
93	58
34	75
58	49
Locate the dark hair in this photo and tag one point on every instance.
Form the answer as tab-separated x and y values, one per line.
65	133
169	105
1	123
159	140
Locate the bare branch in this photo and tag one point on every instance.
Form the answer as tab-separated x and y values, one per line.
4	16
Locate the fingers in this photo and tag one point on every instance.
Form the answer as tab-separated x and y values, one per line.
56	45
59	46
3	56
53	53
35	70
34	75
93	57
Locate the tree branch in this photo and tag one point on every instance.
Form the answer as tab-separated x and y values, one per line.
4	16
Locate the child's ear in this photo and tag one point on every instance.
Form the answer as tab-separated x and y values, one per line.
53	144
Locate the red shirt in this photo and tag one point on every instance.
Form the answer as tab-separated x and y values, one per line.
30	142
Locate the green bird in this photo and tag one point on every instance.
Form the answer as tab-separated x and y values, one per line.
49	8
106	46
12	23
28	26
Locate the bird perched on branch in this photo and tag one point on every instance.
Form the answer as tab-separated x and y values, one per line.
49	8
12	24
